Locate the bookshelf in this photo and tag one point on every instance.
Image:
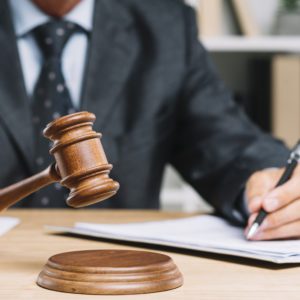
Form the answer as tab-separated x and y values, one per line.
269	44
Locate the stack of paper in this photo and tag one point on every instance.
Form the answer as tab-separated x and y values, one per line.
204	233
7	223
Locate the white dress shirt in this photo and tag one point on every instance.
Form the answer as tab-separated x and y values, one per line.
27	16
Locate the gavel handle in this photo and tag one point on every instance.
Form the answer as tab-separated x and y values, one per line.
15	192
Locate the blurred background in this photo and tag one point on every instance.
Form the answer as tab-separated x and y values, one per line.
255	45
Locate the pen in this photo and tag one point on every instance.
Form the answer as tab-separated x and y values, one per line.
288	172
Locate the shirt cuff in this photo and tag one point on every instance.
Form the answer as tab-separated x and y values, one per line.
241	212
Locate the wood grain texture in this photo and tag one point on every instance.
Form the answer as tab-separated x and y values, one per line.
24	251
110	272
15	192
81	164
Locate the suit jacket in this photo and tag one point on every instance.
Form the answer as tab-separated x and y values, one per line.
158	100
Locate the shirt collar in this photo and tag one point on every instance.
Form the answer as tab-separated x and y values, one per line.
26	15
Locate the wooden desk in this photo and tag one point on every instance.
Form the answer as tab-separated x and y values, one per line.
25	249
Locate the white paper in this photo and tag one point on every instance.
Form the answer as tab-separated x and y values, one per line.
205	233
7	223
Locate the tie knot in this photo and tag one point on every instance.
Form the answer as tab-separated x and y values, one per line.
52	37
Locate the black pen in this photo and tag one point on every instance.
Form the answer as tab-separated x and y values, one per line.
288	172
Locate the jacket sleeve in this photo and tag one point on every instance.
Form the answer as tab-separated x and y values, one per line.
217	147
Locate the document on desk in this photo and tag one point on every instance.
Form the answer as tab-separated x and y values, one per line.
204	233
7	223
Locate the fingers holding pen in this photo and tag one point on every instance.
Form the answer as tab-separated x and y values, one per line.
287	231
282	203
259	185
277	222
279	211
282	195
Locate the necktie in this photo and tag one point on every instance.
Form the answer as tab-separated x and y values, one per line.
51	99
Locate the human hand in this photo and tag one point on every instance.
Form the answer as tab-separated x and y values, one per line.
282	204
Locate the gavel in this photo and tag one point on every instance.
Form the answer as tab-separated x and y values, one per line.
80	164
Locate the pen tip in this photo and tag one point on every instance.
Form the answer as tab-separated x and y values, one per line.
252	231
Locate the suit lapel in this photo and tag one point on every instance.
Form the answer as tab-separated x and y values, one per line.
14	105
113	49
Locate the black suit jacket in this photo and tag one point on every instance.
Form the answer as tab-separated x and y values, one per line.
158	100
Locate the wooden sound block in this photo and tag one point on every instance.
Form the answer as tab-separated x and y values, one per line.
114	272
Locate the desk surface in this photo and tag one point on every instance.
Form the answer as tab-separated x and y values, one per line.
25	249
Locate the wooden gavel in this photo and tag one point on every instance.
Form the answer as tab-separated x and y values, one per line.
81	164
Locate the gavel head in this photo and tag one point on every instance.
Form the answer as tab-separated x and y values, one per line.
80	159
